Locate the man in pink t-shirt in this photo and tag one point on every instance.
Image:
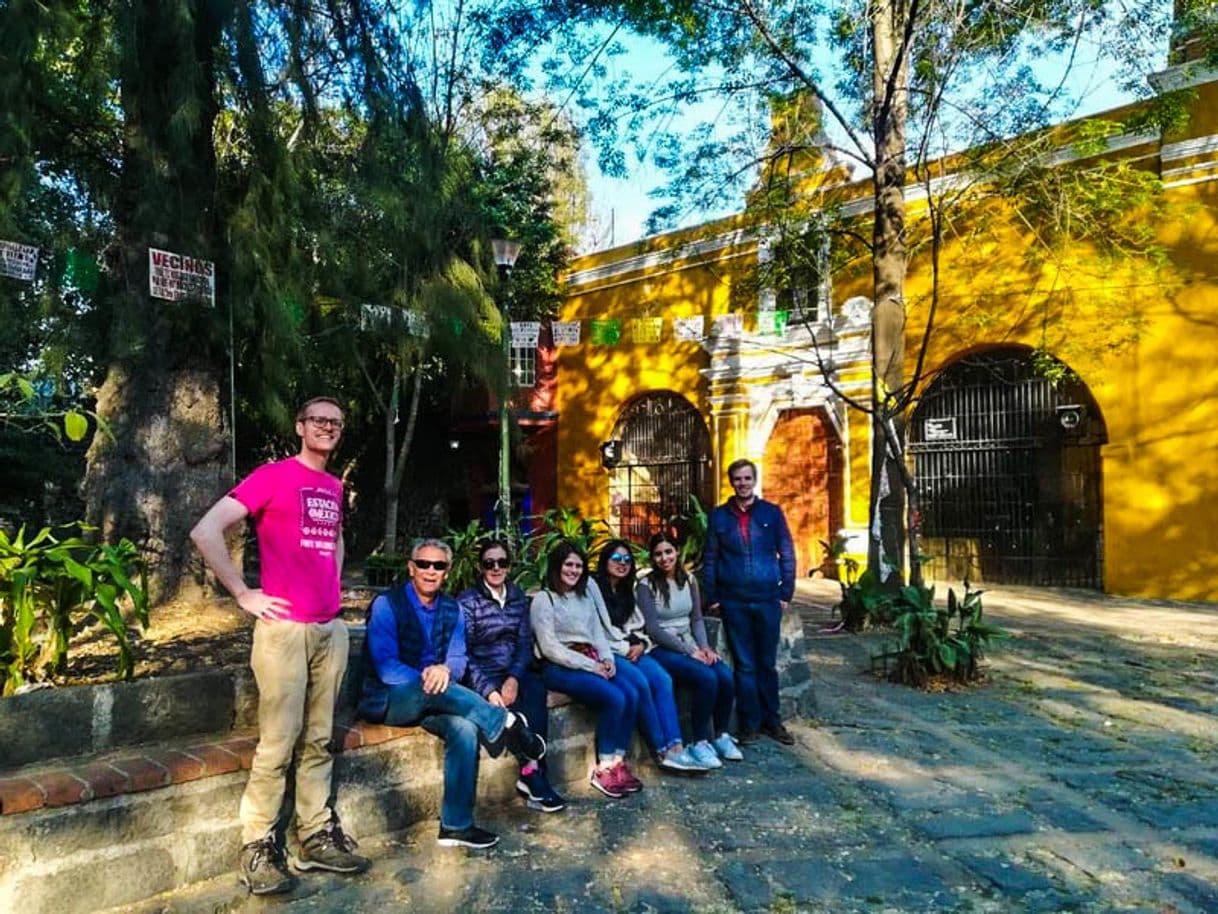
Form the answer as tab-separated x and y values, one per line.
300	646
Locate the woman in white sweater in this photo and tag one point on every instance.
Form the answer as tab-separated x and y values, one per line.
577	660
671	605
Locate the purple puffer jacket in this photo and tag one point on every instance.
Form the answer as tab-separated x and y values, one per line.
498	640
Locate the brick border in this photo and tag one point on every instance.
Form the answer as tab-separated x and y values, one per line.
157	767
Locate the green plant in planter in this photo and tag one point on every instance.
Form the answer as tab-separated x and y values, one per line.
836	561
928	644
50	585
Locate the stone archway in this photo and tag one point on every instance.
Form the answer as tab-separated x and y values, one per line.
802	473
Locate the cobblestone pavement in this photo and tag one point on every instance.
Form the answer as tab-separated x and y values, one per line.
1082	777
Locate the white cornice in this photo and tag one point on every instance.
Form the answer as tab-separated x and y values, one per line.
641	262
1196	146
1182	76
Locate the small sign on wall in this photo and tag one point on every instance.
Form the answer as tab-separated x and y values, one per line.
176	276
940	429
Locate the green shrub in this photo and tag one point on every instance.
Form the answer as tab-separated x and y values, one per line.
51	585
865	603
690	527
382	570
928	644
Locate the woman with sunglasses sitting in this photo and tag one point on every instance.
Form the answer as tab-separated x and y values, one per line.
615	576
578	661
671	603
499	654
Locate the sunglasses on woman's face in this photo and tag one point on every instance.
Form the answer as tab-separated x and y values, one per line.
437	564
491	564
621	557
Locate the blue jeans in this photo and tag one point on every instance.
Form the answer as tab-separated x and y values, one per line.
614	705
711	691
752	632
461	718
657	707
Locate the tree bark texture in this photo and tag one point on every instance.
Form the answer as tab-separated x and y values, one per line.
162	465
890	110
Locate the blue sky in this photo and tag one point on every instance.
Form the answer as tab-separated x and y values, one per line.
620	206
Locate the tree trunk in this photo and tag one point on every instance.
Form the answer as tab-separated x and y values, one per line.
890	80
395	457
162	463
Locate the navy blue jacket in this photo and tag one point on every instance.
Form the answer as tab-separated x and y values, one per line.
498	640
396	648
760	571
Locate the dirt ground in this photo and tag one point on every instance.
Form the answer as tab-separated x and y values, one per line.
182	636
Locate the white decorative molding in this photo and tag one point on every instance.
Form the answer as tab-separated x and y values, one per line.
1195	146
1182	76
659	258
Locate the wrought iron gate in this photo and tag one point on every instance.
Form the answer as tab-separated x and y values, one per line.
1008	468
665	456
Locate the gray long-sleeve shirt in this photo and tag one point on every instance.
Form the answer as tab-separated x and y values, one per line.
561	620
676	625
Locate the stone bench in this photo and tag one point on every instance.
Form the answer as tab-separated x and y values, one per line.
143	796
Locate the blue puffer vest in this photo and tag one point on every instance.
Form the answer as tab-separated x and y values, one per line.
492	635
374	694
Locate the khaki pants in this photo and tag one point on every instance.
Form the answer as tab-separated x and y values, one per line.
299	668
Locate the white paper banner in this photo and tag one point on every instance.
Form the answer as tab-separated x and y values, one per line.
19	261
175	276
566	333
375	316
729	326
525	333
688	328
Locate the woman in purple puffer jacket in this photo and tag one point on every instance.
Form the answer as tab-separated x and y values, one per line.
499	649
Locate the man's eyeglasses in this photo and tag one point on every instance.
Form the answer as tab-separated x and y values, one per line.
324	422
621	557
437	564
489	564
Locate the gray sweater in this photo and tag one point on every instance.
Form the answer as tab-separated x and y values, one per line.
559	621
676	628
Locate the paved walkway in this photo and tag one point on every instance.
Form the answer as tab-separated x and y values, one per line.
1083	777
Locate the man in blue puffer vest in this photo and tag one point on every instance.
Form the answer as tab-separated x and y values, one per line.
414	654
749	567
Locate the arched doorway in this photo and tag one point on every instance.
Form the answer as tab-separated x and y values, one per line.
665	458
1008	466
802	473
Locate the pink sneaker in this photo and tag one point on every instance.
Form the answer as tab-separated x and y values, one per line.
606	781
626	780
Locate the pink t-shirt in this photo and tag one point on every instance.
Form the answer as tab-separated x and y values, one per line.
298	514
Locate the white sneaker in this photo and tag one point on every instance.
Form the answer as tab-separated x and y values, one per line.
727	748
681	761
704	753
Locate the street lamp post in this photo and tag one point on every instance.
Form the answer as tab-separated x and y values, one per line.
506	253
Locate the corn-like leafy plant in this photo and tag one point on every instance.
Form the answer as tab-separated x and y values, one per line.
52	583
936	641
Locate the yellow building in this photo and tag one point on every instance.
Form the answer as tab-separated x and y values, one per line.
1103	479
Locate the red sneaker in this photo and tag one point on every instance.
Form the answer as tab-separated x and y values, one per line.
626	779
606	781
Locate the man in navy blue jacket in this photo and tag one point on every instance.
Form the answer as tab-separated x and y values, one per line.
414	654
749	566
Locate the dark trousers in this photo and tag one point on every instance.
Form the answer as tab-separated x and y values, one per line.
752	633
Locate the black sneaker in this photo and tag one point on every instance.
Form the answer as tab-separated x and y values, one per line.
521	741
538	793
263	868
747	737
330	849
475	837
778	733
